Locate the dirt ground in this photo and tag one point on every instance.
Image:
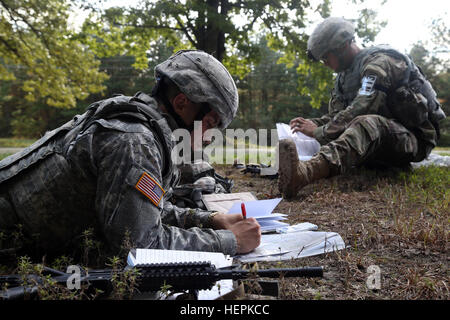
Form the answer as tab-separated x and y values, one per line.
380	224
401	226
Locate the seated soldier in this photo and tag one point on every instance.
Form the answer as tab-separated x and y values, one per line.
382	111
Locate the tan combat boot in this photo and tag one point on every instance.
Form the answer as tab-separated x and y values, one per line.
295	174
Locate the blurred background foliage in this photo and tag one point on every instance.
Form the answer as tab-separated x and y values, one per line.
51	69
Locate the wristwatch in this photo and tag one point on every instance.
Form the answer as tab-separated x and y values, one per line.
211	217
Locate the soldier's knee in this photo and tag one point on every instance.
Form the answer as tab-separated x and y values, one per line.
374	125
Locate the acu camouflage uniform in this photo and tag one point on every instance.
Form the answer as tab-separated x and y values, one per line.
84	174
360	128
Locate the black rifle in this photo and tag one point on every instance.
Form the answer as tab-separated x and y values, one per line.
152	277
255	169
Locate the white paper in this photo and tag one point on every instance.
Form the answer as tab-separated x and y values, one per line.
306	146
218	259
270	225
294	244
222	202
147	256
256	209
305	226
261	210
273	216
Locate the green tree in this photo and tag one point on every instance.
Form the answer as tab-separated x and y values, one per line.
124	76
430	64
269	91
434	59
226	29
23	118
35	39
441	84
6	107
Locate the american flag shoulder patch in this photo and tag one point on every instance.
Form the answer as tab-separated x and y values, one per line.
150	188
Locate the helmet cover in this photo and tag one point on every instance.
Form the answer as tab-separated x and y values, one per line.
203	79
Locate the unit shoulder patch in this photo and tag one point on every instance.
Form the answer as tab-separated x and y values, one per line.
150	188
367	85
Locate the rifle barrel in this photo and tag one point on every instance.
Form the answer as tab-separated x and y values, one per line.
308	272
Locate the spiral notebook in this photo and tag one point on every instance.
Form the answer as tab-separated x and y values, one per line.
137	257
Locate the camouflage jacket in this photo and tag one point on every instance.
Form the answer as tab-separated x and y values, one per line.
101	177
351	97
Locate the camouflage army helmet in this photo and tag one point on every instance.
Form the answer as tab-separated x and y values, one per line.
330	34
203	79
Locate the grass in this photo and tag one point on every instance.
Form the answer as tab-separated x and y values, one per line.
123	281
428	187
420	206
397	220
244	156
443	151
15	142
4	155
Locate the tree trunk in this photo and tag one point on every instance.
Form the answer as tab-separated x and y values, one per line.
210	37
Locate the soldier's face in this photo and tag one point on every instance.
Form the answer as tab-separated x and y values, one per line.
185	108
189	112
331	61
340	59
210	121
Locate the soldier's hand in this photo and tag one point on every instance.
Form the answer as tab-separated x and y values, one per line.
225	221
294	122
302	125
248	234
246	231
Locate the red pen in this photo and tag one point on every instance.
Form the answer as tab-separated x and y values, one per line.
244	213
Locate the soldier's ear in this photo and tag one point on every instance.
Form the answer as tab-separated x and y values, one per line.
180	102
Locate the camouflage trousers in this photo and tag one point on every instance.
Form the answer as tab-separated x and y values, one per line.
372	140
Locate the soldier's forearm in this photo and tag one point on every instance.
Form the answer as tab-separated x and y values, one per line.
361	105
321	121
197	239
184	217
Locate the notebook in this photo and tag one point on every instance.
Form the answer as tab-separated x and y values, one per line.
137	257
